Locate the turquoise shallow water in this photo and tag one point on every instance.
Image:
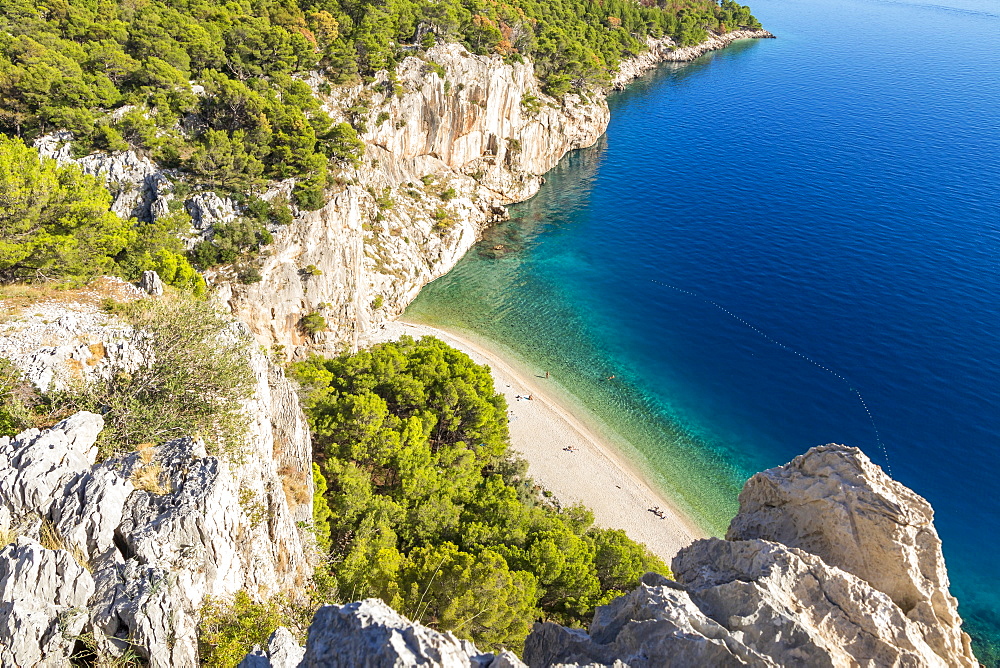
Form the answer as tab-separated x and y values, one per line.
790	242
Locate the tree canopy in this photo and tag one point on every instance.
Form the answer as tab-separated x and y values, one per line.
55	222
425	507
66	65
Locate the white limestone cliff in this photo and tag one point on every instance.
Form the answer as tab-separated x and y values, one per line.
484	130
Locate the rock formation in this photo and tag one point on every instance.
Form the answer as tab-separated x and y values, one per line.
370	633
835	503
483	132
828	563
141	539
43	599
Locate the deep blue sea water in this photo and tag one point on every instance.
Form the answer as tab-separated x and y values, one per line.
836	191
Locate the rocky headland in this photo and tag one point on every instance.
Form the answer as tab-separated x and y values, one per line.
458	138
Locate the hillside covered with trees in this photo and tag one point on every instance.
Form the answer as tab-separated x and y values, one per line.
216	89
420	502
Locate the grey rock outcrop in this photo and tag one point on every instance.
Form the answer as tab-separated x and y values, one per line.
207	209
43	599
640	630
167	526
370	633
835	503
151	283
828	563
282	652
36	465
136	183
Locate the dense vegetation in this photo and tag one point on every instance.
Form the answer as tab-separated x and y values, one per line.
65	64
192	382
217	91
55	223
420	502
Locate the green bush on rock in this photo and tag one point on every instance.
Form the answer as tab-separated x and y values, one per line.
191	382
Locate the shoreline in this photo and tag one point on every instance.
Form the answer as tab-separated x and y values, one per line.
565	456
663	50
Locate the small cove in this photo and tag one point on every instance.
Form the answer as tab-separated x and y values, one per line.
836	189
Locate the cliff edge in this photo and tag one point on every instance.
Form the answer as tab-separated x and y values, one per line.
858	581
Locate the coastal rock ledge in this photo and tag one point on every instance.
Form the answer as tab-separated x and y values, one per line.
829	562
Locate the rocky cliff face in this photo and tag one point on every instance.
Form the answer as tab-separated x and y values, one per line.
458	138
857	580
123	552
484	130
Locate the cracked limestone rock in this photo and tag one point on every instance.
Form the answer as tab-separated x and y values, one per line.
835	503
370	633
43	599
657	624
282	652
167	526
829	562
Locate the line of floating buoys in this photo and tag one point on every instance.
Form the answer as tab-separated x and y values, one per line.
864	404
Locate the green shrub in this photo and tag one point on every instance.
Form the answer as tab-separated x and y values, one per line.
532	105
195	375
228	630
448	194
54	220
435	68
377	302
312	323
250	276
239	239
17	398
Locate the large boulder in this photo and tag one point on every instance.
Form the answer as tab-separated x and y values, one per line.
835	503
370	633
36	465
792	607
828	563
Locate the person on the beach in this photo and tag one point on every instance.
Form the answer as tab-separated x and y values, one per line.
546	374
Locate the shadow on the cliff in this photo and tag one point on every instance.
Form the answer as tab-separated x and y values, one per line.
566	192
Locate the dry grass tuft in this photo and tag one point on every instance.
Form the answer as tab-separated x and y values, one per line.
51	539
295	485
146	452
7	536
149	478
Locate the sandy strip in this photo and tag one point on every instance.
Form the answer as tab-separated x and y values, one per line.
567	458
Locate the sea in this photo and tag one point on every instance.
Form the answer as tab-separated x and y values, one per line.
786	243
